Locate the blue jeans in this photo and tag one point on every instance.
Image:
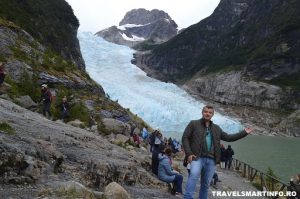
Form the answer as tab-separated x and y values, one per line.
178	182
204	166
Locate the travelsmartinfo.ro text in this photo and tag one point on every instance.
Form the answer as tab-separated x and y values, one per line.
253	193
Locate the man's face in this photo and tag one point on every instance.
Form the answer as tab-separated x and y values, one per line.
207	113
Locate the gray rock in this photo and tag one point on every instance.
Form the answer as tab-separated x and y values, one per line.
116	191
94	128
106	114
89	104
26	102
5	95
143	16
75	82
30	156
121	138
77	123
236	90
18	70
116	126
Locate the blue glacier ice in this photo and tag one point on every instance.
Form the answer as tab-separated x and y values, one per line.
162	105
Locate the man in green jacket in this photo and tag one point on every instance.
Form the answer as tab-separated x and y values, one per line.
201	143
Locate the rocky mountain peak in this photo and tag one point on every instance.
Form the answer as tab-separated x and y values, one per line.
141	26
143	16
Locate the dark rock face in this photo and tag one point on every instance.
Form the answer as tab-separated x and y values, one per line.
256	38
53	24
143	16
237	33
140	25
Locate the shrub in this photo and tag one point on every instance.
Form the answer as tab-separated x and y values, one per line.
79	111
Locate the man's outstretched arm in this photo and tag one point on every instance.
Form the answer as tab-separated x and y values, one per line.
233	137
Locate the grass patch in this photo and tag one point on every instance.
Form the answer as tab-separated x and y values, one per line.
53	61
5	127
8	24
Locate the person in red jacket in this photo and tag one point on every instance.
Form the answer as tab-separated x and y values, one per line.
136	139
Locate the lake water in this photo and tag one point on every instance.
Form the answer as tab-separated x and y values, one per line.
280	153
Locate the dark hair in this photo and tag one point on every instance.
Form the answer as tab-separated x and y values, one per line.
208	107
168	151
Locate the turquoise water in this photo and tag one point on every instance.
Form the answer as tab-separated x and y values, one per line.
280	153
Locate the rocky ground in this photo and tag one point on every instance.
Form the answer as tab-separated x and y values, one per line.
51	159
43	154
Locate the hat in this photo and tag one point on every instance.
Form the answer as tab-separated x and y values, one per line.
44	85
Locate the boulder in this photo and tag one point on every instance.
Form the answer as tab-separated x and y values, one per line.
121	138
77	123
26	101
115	191
116	126
17	70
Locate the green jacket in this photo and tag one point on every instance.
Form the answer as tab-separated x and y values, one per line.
194	136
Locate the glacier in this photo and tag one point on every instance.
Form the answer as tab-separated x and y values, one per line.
162	105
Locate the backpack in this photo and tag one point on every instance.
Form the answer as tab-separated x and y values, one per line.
52	97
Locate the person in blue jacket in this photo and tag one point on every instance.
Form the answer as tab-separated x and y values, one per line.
165	172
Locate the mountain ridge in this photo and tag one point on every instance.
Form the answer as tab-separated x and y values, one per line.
141	26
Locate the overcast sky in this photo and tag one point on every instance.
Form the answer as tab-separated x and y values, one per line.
96	15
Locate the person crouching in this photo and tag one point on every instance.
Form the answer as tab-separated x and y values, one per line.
165	172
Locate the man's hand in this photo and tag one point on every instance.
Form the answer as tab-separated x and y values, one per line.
249	129
190	158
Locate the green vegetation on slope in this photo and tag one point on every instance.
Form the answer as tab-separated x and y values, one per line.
52	23
260	37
